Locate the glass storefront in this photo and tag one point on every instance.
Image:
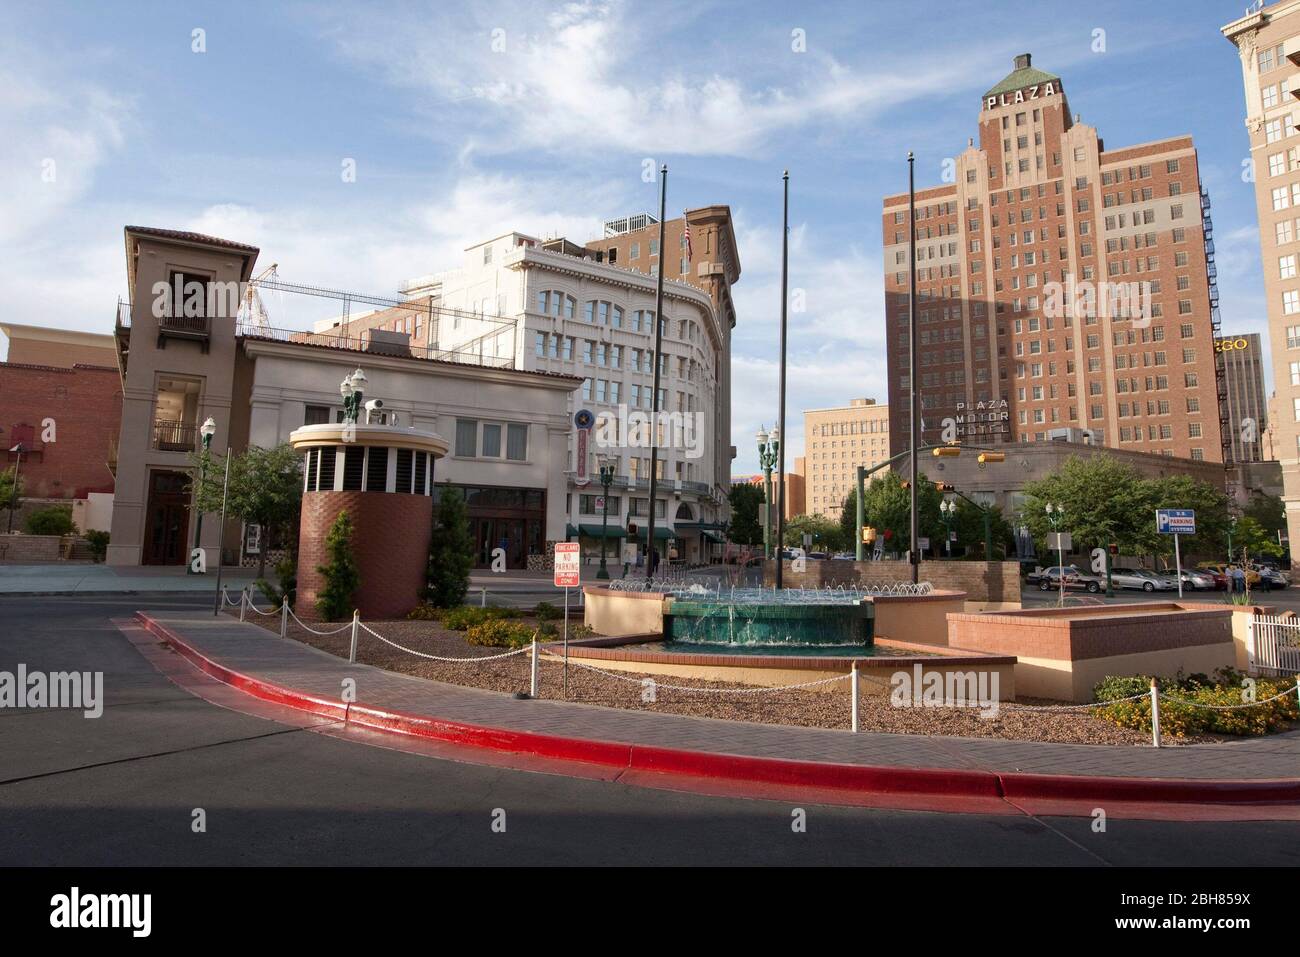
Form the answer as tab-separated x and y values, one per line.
512	519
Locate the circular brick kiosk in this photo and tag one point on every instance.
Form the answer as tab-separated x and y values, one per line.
382	475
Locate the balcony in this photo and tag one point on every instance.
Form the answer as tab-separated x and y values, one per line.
171	436
194	328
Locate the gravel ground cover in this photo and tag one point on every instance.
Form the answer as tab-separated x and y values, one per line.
817	709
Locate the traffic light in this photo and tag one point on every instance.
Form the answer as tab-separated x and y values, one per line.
1114	548
945	451
631	528
945	486
868	535
986	457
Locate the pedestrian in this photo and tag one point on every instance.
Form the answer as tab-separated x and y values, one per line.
654	561
1238	579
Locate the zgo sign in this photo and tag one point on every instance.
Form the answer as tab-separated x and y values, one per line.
1176	521
568	568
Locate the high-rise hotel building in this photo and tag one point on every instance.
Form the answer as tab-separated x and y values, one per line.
1268	41
1064	289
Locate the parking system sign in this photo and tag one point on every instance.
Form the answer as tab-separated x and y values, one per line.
1176	521
568	570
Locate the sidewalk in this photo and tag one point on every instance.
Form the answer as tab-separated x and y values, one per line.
249	650
78	579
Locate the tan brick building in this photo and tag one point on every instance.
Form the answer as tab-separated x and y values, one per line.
1243	369
1064	289
1268	44
836	442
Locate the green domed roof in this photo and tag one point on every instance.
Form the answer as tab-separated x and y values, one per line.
1022	76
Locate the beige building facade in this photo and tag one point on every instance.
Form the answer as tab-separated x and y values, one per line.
836	442
1268	46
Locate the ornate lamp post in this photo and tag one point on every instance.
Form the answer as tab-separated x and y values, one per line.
1232	527
1056	518
18	471
948	508
608	463
207	430
769	446
352	389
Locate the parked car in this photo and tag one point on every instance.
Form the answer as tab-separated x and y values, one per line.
1270	577
818	555
1195	579
845	556
1141	578
1221	569
1050	579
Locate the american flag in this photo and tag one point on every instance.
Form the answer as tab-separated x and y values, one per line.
690	251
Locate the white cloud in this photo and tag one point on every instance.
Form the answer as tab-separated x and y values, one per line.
582	79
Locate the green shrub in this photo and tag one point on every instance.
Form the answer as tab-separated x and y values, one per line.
464	617
451	550
545	611
499	633
286	571
55	520
98	544
1180	696
334	603
426	612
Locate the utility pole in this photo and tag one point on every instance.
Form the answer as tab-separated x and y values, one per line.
914	441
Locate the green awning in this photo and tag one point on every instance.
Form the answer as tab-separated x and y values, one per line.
599	531
712	536
570	531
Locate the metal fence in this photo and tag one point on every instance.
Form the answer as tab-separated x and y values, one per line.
1274	646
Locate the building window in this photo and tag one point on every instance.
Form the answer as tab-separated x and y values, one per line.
316	415
466	438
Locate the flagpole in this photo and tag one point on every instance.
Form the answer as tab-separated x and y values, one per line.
658	361
784	440
914	550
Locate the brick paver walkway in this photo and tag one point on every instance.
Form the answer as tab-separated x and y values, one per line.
249	649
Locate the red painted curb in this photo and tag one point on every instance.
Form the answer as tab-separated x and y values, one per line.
939	782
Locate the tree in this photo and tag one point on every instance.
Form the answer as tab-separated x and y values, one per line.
849	519
334	601
1266	509
969	526
265	489
826	533
746	529
1108	501
11	489
450	551
887	508
1249	535
1102	499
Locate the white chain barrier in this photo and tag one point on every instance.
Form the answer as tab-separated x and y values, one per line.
1225	707
422	654
314	631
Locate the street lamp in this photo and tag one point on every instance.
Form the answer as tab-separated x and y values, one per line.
206	431
608	463
948	508
1056	518
18	470
352	388
1232	527
769	445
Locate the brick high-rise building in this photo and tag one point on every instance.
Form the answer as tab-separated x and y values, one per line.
1268	43
1039	215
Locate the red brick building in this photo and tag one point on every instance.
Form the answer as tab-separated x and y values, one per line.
1038	214
63	407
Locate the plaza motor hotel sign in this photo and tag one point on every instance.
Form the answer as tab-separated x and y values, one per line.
1036	91
983	418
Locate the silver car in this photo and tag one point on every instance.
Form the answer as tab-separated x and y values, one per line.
1141	578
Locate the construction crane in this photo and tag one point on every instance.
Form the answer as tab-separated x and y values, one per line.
252	311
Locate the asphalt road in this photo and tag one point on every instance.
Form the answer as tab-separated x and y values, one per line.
122	789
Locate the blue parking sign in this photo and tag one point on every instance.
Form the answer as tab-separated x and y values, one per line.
1176	521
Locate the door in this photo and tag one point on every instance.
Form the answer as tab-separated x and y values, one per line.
167	519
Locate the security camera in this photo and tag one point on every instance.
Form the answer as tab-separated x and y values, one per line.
373	406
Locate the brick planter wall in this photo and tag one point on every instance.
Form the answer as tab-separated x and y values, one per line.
390	542
981	581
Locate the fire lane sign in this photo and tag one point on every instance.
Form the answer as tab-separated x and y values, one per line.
568	567
1176	521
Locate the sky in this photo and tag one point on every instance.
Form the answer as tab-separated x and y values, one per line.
466	120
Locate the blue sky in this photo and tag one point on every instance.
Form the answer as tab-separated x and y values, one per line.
455	141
